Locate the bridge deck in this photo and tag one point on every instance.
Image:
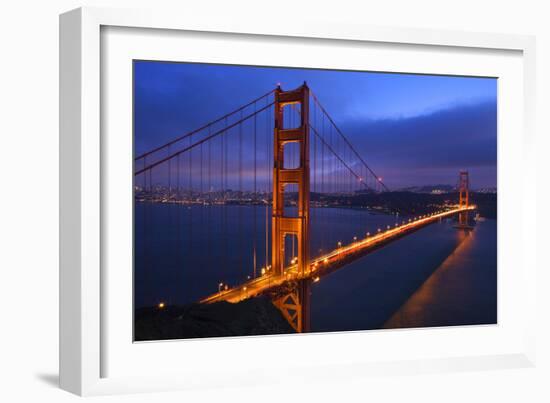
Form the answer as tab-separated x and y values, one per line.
328	262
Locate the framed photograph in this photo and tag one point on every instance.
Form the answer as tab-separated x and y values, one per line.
234	195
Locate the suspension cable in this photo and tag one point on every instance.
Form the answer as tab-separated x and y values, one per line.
191	146
347	141
209	124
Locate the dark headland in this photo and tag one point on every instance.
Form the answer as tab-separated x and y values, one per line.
255	316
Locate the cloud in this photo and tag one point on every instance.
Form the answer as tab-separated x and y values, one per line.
459	137
173	98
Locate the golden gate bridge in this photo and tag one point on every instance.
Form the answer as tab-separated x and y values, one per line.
283	156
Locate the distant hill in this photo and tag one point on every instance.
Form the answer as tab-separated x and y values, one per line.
429	189
407	202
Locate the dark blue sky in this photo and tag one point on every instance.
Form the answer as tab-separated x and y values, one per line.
412	129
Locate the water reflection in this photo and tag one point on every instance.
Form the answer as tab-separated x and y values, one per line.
461	291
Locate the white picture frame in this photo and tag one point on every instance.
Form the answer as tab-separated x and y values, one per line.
83	172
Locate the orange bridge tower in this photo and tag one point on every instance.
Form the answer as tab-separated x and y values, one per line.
295	304
463	198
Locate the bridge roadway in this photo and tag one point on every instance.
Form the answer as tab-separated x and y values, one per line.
331	261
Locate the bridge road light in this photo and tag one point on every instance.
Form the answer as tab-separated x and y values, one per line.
161	305
220	287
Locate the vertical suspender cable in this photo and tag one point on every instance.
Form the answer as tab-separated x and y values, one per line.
255	198
240	195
